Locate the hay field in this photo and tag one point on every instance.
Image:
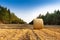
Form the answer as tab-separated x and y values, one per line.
47	33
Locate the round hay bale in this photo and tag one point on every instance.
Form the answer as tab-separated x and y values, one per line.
38	23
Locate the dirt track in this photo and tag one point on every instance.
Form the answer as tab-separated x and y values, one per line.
47	33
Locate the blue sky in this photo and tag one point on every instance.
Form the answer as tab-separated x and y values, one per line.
30	9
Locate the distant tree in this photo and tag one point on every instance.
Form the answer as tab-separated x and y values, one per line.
31	22
7	17
50	18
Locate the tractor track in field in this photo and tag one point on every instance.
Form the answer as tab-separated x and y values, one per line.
28	33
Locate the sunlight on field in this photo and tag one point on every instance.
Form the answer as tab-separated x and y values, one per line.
27	33
12	34
30	34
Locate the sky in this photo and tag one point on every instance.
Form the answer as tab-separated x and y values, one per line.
30	9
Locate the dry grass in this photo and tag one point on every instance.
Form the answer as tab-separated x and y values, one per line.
38	23
47	33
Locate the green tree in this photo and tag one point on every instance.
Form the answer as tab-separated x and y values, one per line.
7	17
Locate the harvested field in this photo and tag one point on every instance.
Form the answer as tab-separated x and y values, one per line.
47	33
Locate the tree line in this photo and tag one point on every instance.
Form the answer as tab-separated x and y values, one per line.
7	17
50	18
